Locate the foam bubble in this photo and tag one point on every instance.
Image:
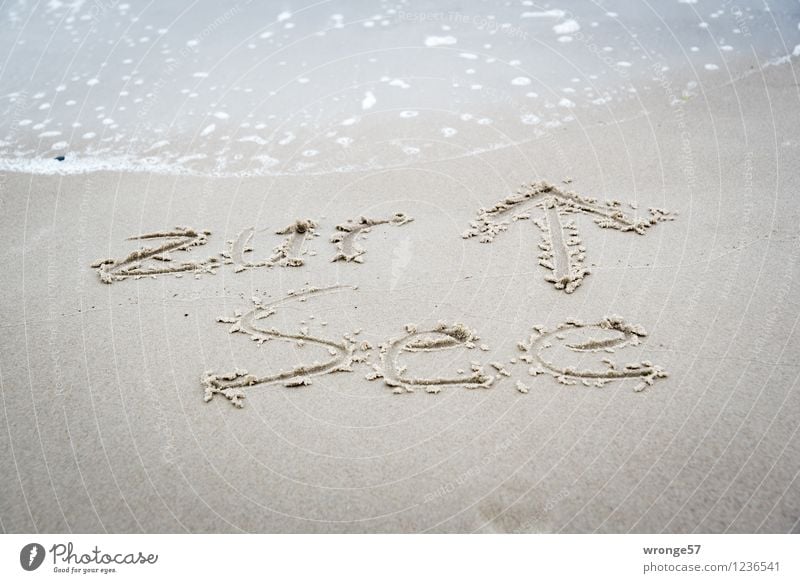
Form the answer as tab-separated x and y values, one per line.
567	27
554	13
369	100
435	41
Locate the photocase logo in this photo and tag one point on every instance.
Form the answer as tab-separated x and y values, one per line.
31	556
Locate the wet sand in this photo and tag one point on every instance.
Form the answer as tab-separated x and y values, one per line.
105	423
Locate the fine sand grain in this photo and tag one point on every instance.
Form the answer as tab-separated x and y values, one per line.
658	394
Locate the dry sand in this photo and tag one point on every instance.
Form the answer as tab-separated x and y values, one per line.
677	406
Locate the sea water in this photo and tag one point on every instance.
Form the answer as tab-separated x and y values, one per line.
274	88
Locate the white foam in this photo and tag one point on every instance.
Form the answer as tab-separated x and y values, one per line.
369	100
288	138
554	13
435	41
266	161
74	166
255	139
567	27
520	81
154	146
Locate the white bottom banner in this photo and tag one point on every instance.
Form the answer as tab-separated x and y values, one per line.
399	557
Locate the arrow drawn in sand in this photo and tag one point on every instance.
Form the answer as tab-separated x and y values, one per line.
562	251
623	334
153	261
348	234
232	385
441	337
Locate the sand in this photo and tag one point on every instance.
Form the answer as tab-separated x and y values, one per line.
391	375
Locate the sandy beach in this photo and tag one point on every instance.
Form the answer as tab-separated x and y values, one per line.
440	325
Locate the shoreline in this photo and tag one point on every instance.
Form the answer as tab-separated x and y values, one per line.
103	384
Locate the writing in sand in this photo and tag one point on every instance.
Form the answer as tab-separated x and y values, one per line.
561	254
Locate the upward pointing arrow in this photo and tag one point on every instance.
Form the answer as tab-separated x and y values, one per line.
562	250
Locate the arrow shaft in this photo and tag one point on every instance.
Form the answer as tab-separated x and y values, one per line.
559	245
